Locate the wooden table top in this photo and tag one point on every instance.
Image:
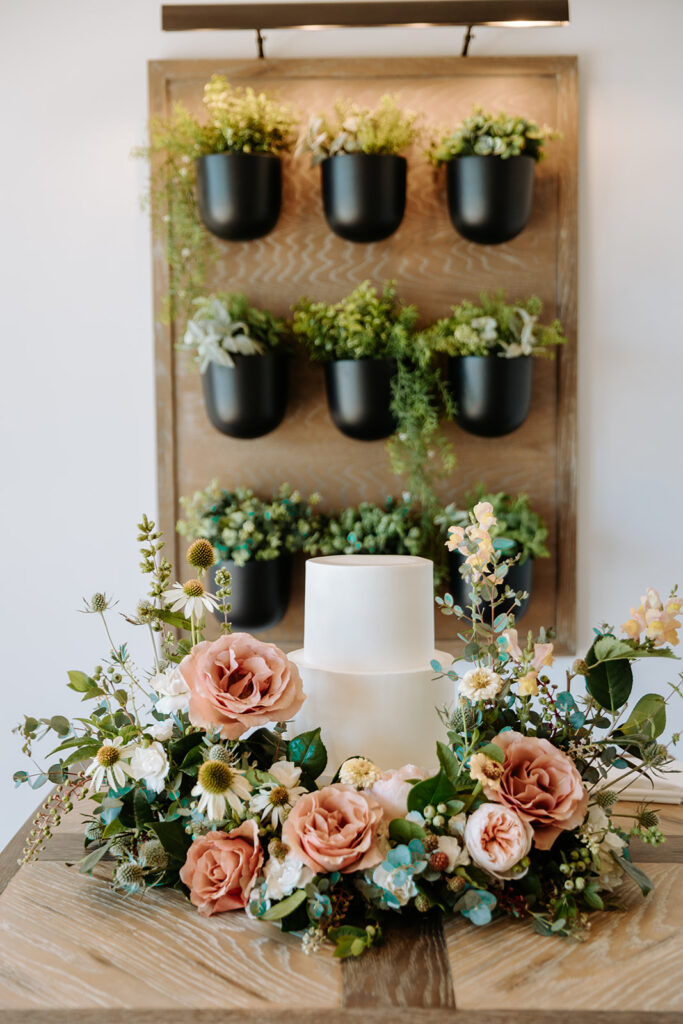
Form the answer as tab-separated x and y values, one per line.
72	950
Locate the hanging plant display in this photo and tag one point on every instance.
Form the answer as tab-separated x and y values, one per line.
238	350
362	170
490	162
256	539
490	347
518	534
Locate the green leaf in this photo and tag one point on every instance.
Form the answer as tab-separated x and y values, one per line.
493	751
92	858
172	619
112	828
284	907
37	781
308	751
265	745
192	759
607	648
178	749
80	682
648	716
609	683
60	725
436	790
402	831
19	778
173	838
593	900
141	808
638	876
55	774
449	763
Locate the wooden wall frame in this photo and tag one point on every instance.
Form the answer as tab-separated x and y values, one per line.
433	267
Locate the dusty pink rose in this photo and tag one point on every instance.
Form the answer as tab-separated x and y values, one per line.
497	838
541	784
334	829
237	682
392	788
221	868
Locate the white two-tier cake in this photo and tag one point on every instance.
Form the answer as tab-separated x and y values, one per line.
365	663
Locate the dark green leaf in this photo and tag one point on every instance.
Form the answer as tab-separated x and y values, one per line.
449	763
60	725
648	716
266	745
55	774
435	790
92	858
593	900
493	751
638	876
284	907
80	682
308	751
178	749
402	831
112	828
141	808
609	683
19	778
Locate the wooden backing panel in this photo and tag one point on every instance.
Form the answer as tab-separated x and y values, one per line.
410	969
433	266
366	1015
630	962
69	941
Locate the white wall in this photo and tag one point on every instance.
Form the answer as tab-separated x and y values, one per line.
78	458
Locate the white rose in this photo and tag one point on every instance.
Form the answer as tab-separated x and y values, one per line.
173	690
286	773
284	876
454	850
497	839
160	730
150	765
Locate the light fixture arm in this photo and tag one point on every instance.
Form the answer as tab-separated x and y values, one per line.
260	39
469	36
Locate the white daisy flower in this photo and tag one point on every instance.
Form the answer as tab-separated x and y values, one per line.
480	684
220	787
190	598
276	799
108	765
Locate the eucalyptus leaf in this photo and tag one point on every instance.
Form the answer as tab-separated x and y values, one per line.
284	907
638	876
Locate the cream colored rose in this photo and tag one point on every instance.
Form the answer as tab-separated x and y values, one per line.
497	839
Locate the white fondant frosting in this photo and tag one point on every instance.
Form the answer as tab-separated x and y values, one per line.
369	613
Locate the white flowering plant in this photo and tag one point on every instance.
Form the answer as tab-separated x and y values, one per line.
225	325
198	780
386	130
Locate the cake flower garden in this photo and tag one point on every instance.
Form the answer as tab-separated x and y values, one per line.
197	779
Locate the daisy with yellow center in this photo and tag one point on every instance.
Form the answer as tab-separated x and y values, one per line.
219	788
190	598
109	765
480	684
276	799
485	770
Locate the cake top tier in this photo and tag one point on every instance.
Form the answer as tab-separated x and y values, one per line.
369	613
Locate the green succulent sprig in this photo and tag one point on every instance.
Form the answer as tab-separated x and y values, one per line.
350	128
393	528
486	134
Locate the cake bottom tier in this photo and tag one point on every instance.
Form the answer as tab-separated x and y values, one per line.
388	717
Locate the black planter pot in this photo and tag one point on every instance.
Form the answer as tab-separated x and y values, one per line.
489	199
249	399
519	577
492	395
260	592
239	194
359	397
364	195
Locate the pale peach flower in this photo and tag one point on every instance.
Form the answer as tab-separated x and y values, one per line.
659	623
392	788
497	838
221	868
335	829
528	685
456	536
543	656
513	647
485	770
483	513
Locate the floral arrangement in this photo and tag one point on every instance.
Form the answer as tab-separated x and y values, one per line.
363	325
519	532
389	529
242	526
484	134
237	121
492	327
192	788
225	325
386	130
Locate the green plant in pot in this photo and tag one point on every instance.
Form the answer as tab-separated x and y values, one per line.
393	528
519	533
490	161
239	351
363	170
361	340
220	172
255	538
490	345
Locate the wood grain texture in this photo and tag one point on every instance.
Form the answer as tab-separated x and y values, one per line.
410	969
433	267
366	1015
69	941
630	962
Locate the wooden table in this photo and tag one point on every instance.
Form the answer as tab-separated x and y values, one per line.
72	950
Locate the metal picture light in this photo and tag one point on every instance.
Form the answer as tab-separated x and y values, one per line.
365	14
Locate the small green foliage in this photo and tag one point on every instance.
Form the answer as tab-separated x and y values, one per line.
242	526
225	325
386	130
515	521
350	941
390	529
492	327
485	134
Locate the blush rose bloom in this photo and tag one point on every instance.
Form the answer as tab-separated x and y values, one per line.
334	829
497	838
392	788
238	682
541	784
221	868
